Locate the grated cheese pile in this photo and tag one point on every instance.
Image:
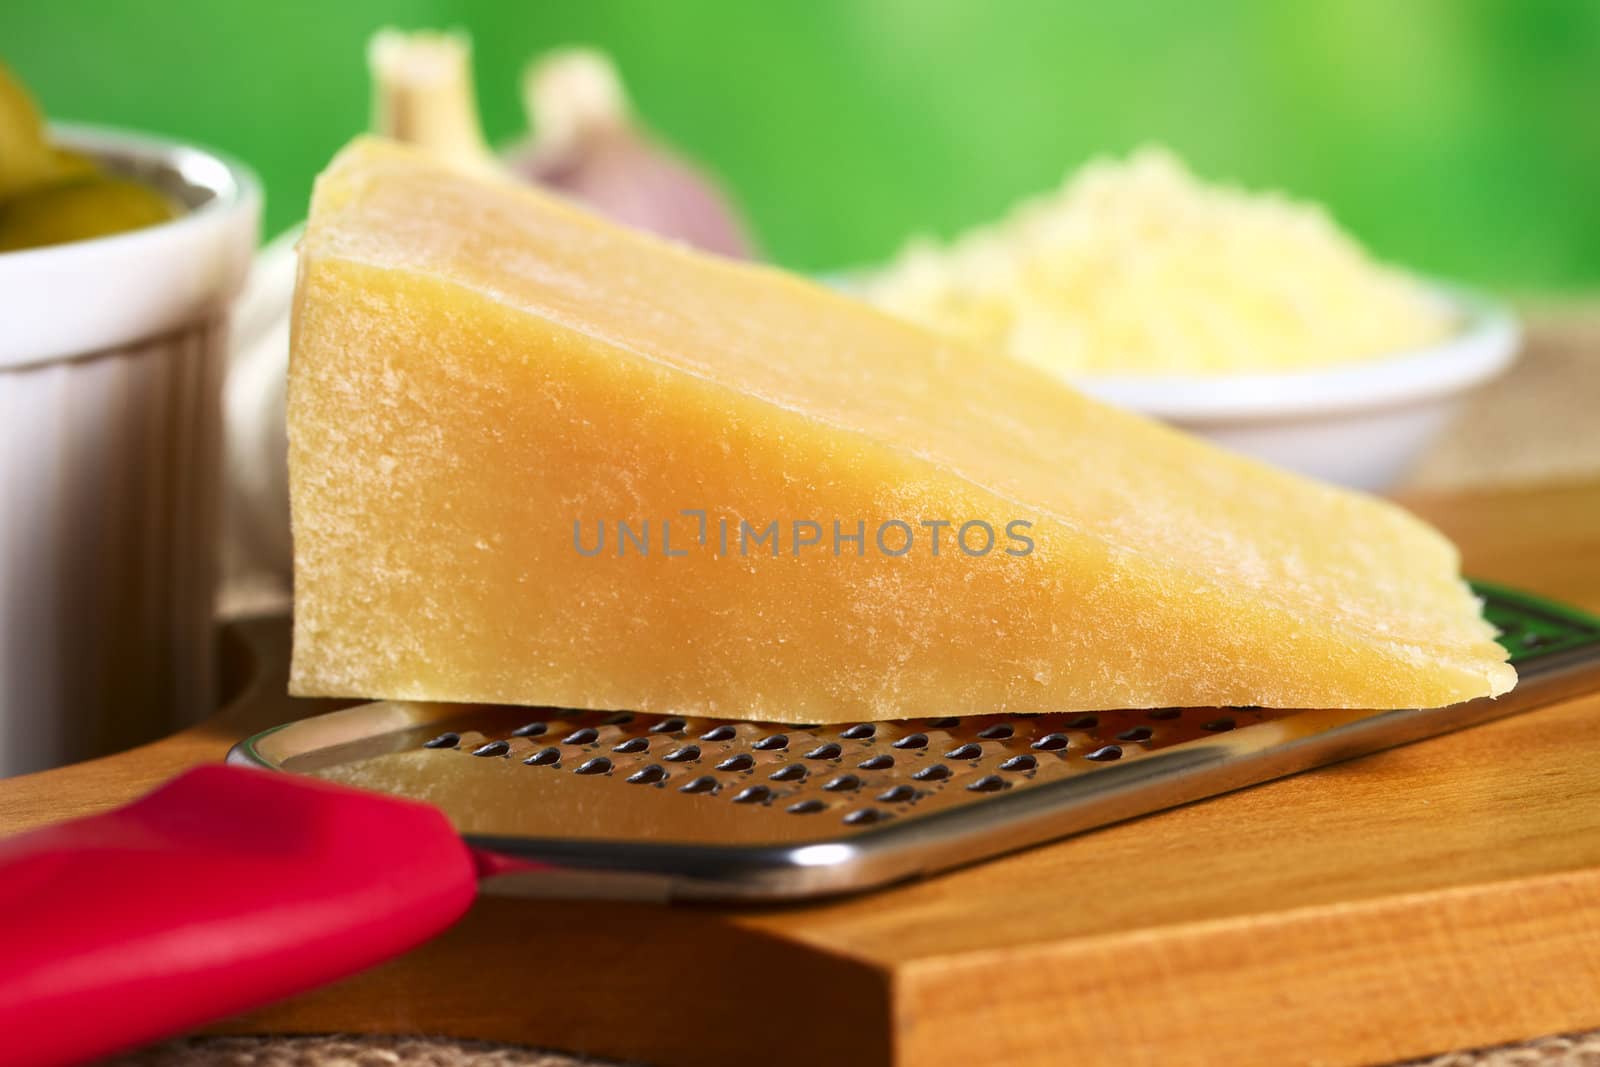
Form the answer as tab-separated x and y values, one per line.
1138	267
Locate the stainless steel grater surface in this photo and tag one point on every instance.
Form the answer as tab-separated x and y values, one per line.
703	808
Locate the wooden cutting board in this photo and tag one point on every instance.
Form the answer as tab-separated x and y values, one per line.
1444	895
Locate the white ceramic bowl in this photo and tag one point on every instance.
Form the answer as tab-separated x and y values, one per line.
110	453
1361	425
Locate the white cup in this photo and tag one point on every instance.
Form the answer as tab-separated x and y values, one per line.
111	358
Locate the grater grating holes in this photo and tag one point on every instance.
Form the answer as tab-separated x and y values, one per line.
982	755
753	794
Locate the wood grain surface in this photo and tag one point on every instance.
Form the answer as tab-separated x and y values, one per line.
1444	895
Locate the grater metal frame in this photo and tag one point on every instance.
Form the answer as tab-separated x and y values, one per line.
1556	650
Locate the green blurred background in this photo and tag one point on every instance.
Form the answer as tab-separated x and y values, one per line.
1459	136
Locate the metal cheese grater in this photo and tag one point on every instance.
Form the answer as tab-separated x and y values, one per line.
678	807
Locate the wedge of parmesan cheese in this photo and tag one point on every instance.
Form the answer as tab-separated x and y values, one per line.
539	459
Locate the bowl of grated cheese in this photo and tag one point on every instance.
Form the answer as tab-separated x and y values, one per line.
1250	319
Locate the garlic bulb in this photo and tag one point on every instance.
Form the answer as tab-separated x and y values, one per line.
257	553
588	145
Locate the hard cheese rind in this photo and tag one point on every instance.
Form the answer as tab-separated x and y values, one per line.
478	367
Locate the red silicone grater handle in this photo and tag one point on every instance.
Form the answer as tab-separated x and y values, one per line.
223	890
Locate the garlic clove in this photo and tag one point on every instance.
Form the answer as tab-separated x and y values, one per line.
423	94
588	145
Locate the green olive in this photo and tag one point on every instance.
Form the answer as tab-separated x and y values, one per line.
77	210
25	156
68	165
